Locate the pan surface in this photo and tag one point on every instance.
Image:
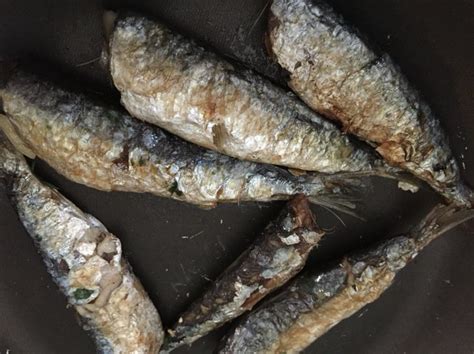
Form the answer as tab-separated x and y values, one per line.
176	249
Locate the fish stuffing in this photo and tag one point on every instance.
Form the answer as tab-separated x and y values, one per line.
278	254
337	73
168	80
105	148
85	260
317	301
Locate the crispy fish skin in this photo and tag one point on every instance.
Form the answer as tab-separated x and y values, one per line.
278	254
104	148
85	260
317	301
168	80
338	74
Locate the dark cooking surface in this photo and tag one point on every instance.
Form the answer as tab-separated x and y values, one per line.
430	307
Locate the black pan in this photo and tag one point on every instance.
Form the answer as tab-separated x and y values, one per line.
430	307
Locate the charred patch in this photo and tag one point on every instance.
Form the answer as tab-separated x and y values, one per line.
123	160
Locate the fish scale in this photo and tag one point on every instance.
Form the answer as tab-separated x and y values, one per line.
103	147
85	260
168	80
335	70
320	299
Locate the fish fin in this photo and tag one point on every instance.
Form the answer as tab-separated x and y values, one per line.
440	220
7	127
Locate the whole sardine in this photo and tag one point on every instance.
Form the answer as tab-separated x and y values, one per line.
104	148
317	301
338	74
276	256
85	260
170	81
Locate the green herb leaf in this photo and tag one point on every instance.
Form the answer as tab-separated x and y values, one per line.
82	294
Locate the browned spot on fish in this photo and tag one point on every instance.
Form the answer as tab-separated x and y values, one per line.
210	109
122	161
393	152
301	211
219	135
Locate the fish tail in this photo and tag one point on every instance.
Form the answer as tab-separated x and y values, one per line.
440	220
341	192
12	163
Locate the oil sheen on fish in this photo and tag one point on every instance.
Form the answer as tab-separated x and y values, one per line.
168	80
317	301
85	260
104	148
335	71
275	257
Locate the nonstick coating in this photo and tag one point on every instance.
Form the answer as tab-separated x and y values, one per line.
430	307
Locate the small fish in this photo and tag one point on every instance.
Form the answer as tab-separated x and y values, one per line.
275	257
333	69
105	148
169	80
317	301
85	260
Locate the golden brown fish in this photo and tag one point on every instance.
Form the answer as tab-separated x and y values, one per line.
337	73
319	300
169	80
103	147
278	254
85	260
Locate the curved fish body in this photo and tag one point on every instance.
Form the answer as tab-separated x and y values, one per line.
104	148
317	301
85	260
335	71
278	254
168	80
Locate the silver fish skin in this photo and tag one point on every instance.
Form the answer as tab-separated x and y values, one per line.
85	261
337	73
275	257
105	148
169	80
317	301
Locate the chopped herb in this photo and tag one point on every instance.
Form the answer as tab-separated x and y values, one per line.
174	189
82	294
141	161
